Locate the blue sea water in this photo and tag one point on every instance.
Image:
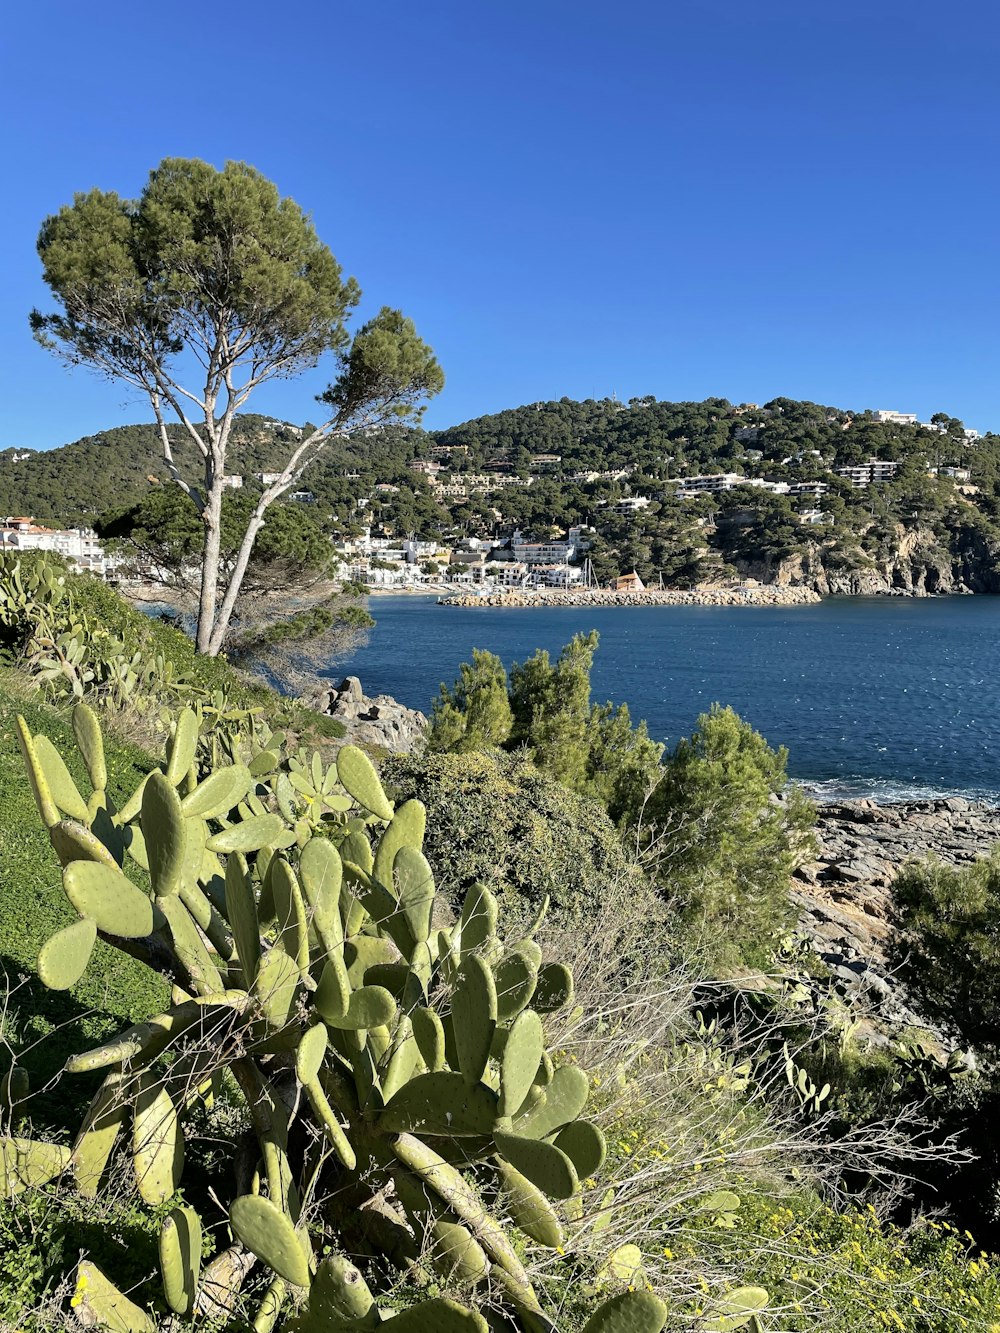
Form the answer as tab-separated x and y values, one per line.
891	698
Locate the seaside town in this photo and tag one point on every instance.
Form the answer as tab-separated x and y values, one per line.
509	565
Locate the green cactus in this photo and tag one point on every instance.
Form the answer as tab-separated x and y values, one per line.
157	1143
267	1231
105	1305
358	778
308	965
737	1309
63	958
631	1312
108	897
27	1163
180	1258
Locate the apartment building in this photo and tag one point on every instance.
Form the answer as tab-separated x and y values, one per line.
866	474
80	546
896	418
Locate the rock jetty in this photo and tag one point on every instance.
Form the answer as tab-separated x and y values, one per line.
381	721
748	595
843	896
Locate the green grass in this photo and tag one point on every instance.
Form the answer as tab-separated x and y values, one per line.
115	990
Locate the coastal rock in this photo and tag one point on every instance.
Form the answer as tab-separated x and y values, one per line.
380	722
843	896
745	595
910	562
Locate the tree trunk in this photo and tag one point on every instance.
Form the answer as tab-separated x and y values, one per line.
218	634
210	570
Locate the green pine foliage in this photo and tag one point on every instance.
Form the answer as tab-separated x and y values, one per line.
720	824
946	946
475	713
546	711
726	830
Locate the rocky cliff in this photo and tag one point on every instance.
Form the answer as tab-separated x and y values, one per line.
843	896
914	562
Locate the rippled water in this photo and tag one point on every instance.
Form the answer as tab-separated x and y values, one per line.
883	697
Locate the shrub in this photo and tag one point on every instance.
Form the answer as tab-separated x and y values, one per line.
546	710
854	1271
725	831
392	1064
946	946
495	819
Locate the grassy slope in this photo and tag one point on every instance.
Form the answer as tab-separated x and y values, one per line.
115	990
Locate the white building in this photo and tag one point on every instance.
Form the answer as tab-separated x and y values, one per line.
541	553
512	574
632	504
714	481
897	418
233	483
814	488
556	576
80	546
864	474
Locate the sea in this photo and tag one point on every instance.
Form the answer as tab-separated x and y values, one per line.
888	698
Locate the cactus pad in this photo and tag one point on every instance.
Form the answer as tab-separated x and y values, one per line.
63	959
631	1312
109	898
268	1232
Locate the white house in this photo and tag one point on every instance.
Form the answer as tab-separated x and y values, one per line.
80	546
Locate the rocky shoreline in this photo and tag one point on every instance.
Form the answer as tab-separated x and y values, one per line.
752	595
843	895
381	721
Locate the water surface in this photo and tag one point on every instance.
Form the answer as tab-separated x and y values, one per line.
888	697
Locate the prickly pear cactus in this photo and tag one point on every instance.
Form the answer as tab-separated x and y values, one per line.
316	970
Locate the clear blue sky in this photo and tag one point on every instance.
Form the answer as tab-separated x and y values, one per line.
678	197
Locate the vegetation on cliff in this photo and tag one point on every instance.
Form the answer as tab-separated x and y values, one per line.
717	823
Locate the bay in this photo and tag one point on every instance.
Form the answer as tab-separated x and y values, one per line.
885	697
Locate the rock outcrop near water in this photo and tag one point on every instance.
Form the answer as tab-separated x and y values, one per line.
844	894
744	596
380	721
909	562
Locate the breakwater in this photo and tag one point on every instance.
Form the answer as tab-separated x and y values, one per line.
752	595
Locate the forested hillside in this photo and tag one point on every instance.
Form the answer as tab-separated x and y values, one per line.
546	466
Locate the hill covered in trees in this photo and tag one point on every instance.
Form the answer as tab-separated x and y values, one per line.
934	523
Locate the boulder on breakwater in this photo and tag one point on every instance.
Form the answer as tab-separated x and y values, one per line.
749	595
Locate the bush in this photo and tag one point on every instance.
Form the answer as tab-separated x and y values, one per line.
853	1271
546	710
725	831
946	947
494	818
